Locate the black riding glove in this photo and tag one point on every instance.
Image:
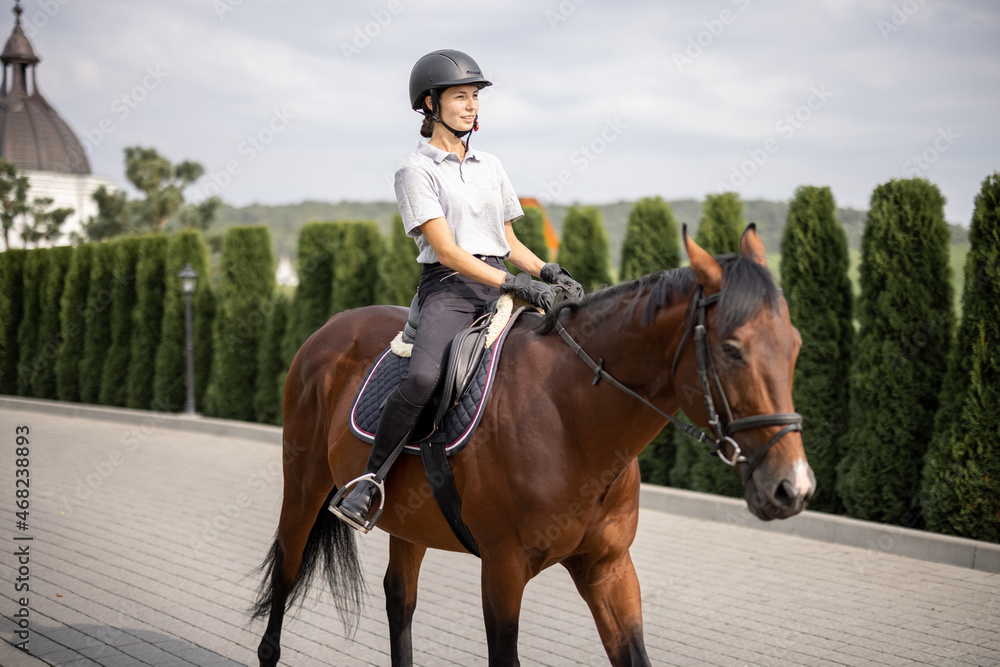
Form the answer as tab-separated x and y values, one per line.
534	292
554	274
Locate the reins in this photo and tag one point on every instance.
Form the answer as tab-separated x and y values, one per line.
792	421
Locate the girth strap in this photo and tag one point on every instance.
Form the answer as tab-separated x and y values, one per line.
443	486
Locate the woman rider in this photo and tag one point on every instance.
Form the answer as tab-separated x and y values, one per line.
458	205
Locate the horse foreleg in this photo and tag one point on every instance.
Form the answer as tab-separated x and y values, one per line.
611	589
503	588
400	585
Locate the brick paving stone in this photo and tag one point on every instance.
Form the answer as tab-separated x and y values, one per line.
151	559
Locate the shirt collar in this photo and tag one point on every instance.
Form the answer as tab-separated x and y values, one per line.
438	155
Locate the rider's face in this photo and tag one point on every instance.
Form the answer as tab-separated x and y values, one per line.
459	106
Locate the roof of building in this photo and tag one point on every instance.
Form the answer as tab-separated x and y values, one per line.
32	135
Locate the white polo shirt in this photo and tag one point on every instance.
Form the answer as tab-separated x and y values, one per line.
474	196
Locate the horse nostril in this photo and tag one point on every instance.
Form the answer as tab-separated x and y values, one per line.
785	494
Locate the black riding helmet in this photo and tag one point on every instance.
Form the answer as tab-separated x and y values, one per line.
439	70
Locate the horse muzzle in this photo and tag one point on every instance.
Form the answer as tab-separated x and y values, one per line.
783	496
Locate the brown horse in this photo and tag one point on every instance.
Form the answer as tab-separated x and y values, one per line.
551	474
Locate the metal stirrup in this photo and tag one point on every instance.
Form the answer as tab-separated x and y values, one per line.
334	506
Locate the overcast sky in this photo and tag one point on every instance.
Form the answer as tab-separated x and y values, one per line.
594	101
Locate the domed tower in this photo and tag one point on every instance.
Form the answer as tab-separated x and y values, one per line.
36	140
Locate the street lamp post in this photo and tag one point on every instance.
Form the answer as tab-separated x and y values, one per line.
189	277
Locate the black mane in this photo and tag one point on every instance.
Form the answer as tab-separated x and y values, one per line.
746	288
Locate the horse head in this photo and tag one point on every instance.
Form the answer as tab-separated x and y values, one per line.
747	363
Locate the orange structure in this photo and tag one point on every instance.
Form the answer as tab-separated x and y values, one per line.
551	240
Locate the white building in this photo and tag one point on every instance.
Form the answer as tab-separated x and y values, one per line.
38	142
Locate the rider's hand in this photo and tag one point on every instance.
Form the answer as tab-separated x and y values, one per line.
554	274
534	292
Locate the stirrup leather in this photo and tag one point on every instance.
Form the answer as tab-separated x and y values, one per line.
334	506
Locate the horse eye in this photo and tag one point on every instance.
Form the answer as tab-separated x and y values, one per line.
732	352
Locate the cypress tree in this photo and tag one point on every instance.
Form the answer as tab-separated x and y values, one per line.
651	240
961	485
170	383
814	262
147	321
721	223
530	230
246	294
204	348
355	269
95	339
43	381
318	245
905	315
73	320
27	333
114	375
399	271
271	368
584	247
11	312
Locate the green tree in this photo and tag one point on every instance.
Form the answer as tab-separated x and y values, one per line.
98	332
721	223
399	272
114	376
905	315
584	247
204	339
27	334
355	268
73	320
651	242
530	230
961	481
246	298
13	198
312	306
43	381
162	185
814	262
170	383
11	312
147	321
270	366
41	222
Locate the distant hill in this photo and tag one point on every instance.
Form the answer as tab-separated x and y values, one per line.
284	221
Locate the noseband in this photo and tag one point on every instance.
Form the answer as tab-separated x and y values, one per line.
707	373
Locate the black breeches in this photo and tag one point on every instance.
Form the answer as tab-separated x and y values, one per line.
449	302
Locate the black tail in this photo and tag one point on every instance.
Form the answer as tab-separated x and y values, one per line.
331	541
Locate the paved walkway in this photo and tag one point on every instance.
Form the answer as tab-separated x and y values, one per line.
142	536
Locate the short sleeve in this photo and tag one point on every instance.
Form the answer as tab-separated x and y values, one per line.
417	199
511	206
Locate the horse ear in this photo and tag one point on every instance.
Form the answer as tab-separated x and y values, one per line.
751	246
707	270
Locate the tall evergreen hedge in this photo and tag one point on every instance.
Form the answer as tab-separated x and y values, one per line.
652	241
11	312
100	293
583	250
961	485
204	348
114	375
270	365
27	334
355	267
721	223
814	261
147	321
319	243
246	300
170	382
905	315
73	320
530	230
43	379
399	271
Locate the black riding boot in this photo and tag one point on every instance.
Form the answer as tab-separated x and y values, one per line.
399	416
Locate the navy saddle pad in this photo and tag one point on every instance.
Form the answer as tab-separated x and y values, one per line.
457	425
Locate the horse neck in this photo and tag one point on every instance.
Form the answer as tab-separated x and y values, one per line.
637	355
